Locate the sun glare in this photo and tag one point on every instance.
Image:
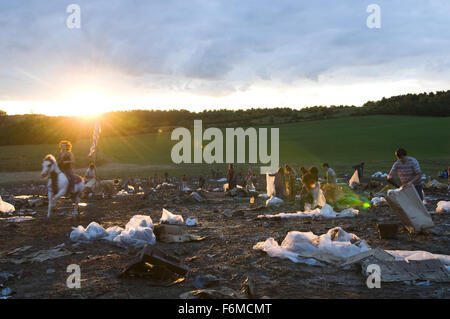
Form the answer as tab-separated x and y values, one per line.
87	104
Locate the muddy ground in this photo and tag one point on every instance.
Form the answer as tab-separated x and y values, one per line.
226	252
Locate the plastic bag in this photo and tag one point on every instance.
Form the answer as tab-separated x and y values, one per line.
354	180
169	218
6	207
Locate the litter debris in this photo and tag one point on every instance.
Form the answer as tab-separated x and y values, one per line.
298	246
274	201
156	265
219	293
44	255
4	277
443	207
409	208
191	222
169	218
379	175
138	232
222	180
354	181
392	271
174	234
195	197
207	281
325	212
387	231
17	219
5	207
378	201
92	232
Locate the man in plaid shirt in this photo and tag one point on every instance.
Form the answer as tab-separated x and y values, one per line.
408	171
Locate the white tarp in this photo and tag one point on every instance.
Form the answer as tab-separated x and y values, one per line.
6	207
325	212
137	233
443	207
409	208
354	180
191	221
169	218
335	242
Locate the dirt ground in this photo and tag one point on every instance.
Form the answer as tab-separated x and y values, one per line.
225	253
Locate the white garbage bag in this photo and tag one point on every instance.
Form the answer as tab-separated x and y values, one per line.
169	218
443	207
6	207
138	232
92	232
274	201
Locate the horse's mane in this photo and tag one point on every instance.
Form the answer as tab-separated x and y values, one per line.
50	158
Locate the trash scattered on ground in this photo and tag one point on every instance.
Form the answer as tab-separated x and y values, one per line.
336	242
4	277
206	281
387	230
169	218
138	232
392	271
47	254
379	175
274	201
17	219
249	288
325	212
174	234
195	197
406	203
443	207
218	293
191	222
160	268
6	207
378	201
6	293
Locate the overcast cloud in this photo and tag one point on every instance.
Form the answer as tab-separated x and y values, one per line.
217	48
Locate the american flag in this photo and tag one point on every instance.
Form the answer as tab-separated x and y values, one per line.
97	131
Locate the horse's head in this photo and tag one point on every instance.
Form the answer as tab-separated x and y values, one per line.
48	165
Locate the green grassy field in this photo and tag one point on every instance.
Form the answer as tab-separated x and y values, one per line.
341	142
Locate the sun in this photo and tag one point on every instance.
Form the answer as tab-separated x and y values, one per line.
87	103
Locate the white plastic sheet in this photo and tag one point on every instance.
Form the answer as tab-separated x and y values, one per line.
379	175
325	212
169	218
443	207
191	222
336	242
6	207
418	255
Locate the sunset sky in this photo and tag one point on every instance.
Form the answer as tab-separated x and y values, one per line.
207	54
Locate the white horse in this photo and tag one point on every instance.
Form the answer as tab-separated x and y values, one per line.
50	169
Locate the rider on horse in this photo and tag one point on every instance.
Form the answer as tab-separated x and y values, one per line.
66	161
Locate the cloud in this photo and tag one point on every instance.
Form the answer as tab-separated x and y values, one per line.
216	48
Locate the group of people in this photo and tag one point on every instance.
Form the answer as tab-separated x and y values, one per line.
406	167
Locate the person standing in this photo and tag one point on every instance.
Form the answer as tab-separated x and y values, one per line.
330	174
360	169
408	170
231	177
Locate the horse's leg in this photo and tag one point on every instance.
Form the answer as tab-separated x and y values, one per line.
50	203
77	201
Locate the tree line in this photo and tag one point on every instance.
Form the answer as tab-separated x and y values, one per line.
41	129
